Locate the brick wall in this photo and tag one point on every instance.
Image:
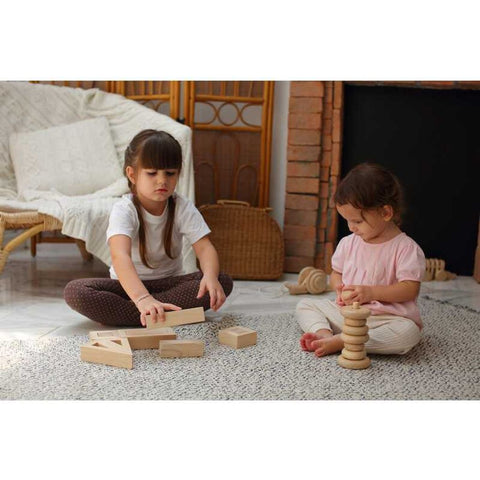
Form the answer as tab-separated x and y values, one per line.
313	155
314	165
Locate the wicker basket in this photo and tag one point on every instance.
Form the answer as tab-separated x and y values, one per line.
248	241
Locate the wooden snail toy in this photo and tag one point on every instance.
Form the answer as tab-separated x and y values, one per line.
435	270
310	280
354	335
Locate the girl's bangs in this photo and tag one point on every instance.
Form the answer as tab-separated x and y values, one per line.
161	155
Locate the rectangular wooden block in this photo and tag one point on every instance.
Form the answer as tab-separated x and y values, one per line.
138	338
112	351
237	337
142	338
181	348
179	317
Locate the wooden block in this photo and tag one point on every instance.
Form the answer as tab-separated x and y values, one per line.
111	351
179	317
138	338
237	337
181	348
142	338
99	334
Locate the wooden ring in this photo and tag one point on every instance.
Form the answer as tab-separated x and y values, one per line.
353	364
359	331
354	355
355	339
354	348
352	322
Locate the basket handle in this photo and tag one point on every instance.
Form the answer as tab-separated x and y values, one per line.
232	202
240	202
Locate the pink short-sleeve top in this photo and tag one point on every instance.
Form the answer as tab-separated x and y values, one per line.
395	260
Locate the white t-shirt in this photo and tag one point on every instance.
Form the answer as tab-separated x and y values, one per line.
188	222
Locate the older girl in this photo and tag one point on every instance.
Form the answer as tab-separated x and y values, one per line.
145	234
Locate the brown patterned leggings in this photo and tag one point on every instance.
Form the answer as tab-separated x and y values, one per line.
105	301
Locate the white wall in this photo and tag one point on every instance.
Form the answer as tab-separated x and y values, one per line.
278	165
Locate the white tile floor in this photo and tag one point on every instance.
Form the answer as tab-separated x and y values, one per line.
32	305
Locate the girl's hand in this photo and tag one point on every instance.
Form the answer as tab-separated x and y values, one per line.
359	293
154	308
214	289
339	300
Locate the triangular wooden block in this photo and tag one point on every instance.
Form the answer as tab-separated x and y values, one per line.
114	344
112	351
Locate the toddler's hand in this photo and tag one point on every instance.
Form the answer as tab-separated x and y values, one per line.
359	293
154	308
339	300
214	289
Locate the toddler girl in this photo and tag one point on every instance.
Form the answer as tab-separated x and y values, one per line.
145	233
379	265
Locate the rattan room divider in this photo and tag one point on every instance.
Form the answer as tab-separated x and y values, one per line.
232	130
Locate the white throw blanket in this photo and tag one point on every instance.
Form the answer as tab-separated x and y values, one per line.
27	107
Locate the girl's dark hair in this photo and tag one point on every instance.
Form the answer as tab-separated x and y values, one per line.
157	150
369	186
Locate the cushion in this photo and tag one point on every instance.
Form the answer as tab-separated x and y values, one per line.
74	159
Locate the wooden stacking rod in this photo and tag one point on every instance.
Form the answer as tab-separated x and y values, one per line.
354	336
179	317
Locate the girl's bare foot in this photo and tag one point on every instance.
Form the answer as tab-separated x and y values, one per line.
307	338
327	345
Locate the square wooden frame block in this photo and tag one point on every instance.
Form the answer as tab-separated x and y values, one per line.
138	338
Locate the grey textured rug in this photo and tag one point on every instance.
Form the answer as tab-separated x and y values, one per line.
445	365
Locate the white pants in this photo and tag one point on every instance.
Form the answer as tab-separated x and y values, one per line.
389	334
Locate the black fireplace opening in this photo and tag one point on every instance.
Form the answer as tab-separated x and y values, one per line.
430	139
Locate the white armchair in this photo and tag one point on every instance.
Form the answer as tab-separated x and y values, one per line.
26	107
